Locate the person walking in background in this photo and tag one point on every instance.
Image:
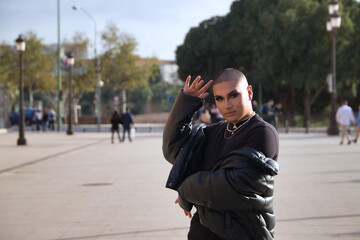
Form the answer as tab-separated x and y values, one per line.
278	113
215	114
205	116
52	118
268	113
115	121
45	120
344	116
38	119
127	120
357	125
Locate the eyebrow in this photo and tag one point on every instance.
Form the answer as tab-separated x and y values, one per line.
229	94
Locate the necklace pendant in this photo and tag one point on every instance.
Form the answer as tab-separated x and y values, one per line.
232	132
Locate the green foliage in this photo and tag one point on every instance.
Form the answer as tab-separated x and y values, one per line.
9	71
281	44
121	68
84	77
38	64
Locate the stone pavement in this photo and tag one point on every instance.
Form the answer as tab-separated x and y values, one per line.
83	187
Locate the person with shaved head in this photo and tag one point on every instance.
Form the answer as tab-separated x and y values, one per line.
223	172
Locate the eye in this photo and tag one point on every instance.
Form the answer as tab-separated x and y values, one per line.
234	95
219	99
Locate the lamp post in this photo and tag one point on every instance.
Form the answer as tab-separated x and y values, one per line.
97	68
70	62
332	24
99	85
59	115
20	47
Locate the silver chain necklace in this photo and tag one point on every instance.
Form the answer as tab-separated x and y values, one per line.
235	129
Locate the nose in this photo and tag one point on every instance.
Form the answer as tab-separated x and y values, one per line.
228	103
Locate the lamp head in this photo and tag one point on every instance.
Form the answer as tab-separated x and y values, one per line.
20	44
70	58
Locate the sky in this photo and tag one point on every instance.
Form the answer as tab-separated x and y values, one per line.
158	26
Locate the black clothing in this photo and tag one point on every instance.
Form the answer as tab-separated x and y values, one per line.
268	113
256	134
115	124
234	199
127	120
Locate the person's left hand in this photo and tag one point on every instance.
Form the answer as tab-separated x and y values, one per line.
186	212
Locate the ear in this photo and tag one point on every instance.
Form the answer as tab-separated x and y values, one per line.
250	92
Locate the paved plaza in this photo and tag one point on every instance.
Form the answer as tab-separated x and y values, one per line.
82	187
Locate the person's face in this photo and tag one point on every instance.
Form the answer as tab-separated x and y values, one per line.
233	100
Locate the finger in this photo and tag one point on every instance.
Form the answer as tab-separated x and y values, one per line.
193	85
199	84
204	95
187	82
176	201
206	87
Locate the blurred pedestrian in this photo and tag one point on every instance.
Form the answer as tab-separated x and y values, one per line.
52	118
344	116
115	121
268	113
278	113
127	121
215	114
357	125
38	119
205	116
45	120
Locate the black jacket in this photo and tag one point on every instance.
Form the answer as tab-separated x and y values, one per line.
235	199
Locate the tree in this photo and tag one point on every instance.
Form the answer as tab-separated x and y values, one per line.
84	80
9	72
281	44
38	66
121	69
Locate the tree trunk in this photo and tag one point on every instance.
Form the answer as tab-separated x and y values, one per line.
307	109
288	102
124	100
31	97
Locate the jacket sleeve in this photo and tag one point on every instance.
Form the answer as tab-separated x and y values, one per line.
178	125
225	189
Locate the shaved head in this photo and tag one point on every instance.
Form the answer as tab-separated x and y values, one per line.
231	74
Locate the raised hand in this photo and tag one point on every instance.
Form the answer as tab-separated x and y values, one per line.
197	89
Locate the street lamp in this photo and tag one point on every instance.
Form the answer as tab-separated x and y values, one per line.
59	97
332	24
100	84
70	62
97	68
20	47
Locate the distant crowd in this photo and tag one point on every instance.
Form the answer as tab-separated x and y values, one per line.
45	119
270	112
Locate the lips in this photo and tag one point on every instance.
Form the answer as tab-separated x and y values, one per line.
229	114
